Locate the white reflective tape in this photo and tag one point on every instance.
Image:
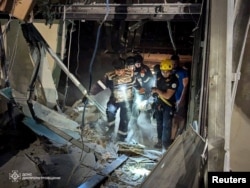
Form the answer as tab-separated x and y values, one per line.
101	84
122	133
111	123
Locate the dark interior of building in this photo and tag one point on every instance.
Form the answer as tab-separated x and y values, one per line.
91	45
152	38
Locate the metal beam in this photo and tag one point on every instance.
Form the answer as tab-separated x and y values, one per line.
219	80
241	28
97	179
54	118
132	12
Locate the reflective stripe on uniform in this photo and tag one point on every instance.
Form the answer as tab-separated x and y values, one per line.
145	81
111	123
122	133
165	101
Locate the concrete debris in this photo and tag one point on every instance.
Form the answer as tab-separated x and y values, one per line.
74	166
130	174
142	158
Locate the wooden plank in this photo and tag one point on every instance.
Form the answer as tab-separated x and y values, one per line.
97	179
218	85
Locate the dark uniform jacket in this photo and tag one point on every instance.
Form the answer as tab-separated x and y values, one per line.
167	83
122	88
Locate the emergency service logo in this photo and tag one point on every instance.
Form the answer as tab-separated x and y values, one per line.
174	85
15	176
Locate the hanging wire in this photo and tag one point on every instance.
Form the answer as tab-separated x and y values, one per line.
13	56
97	42
90	68
7	24
8	67
171	36
68	62
198	22
85	101
78	48
63	33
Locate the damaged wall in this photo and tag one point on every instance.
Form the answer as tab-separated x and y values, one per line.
17	52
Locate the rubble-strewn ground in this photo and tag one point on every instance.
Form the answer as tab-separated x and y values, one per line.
29	160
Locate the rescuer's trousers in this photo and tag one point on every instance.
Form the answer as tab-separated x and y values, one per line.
125	113
163	116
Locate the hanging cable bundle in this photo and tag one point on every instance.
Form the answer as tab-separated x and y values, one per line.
97	43
85	101
171	36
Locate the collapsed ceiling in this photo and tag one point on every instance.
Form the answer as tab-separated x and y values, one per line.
161	26
164	26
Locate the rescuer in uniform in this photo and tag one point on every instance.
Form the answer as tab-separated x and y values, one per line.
179	119
141	71
164	92
139	66
123	87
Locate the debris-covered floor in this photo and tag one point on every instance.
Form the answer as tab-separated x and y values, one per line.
31	160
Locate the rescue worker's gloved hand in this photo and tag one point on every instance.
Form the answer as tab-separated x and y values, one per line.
154	91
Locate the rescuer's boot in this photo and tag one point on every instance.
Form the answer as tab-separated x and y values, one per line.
158	144
109	132
120	138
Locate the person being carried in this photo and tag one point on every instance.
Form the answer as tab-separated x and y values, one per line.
164	92
122	84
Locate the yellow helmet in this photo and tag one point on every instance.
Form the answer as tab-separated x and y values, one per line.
166	65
